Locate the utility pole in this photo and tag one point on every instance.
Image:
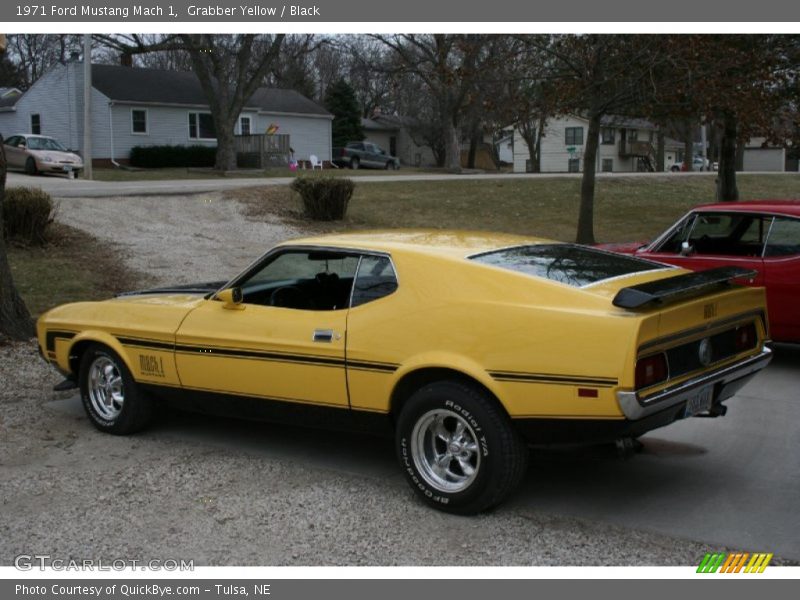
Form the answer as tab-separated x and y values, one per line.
87	106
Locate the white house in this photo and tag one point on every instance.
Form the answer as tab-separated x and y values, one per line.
151	107
626	145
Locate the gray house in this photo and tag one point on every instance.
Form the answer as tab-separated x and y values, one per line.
151	107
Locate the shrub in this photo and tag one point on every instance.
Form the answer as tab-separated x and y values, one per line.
27	213
324	198
160	157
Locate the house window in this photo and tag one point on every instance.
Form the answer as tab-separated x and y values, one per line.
574	165
607	135
201	126
244	125
633	135
608	165
139	121
36	124
574	136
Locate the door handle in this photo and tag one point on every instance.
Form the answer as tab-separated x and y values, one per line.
324	335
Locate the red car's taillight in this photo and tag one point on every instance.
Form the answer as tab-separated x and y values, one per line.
651	370
746	337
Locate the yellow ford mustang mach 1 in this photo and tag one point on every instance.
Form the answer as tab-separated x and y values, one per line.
467	346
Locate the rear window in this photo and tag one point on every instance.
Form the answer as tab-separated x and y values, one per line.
566	263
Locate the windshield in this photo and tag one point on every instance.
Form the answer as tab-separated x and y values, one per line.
566	263
43	143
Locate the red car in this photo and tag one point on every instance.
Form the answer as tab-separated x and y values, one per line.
763	235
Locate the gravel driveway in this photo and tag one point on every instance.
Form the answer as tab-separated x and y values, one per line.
225	492
176	239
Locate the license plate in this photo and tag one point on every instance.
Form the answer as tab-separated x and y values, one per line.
699	402
67	169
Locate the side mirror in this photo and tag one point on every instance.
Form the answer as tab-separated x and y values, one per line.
231	298
686	249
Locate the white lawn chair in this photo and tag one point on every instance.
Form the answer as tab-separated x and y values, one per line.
315	162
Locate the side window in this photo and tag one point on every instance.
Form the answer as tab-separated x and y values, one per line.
784	237
678	236
303	280
376	278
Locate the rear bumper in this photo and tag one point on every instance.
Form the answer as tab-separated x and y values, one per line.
645	415
726	381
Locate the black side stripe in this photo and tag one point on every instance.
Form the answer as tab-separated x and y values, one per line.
53	334
552	379
309	359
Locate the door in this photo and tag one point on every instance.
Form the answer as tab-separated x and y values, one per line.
284	342
14	154
782	278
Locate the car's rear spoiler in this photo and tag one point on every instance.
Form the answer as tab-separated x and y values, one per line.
680	287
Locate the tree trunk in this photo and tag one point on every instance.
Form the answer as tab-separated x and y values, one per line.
15	320
532	134
660	151
226	151
452	150
727	191
473	149
586	213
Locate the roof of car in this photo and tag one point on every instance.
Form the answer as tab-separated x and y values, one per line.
783	207
451	243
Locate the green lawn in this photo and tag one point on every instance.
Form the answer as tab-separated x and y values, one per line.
57	273
634	208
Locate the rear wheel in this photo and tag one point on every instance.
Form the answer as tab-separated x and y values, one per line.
355	163
111	398
391	166
458	448
30	166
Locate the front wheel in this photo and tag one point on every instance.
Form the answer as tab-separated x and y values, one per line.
458	448
111	398
30	166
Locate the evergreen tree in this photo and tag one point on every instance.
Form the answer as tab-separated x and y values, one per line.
341	101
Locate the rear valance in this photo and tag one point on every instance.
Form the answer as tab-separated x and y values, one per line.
680	287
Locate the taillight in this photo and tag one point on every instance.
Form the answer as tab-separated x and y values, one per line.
745	337
651	370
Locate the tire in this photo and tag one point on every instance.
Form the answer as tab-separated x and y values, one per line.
481	457
355	163
110	396
391	166
30	166
76	174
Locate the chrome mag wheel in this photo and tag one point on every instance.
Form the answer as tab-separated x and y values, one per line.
105	387
445	450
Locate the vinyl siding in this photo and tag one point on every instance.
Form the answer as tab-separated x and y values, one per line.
555	157
54	98
58	97
307	135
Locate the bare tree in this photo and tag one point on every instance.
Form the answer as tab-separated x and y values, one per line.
36	53
450	67
230	69
597	76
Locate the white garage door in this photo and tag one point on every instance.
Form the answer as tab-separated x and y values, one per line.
763	159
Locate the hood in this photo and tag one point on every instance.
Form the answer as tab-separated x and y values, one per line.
57	156
184	289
